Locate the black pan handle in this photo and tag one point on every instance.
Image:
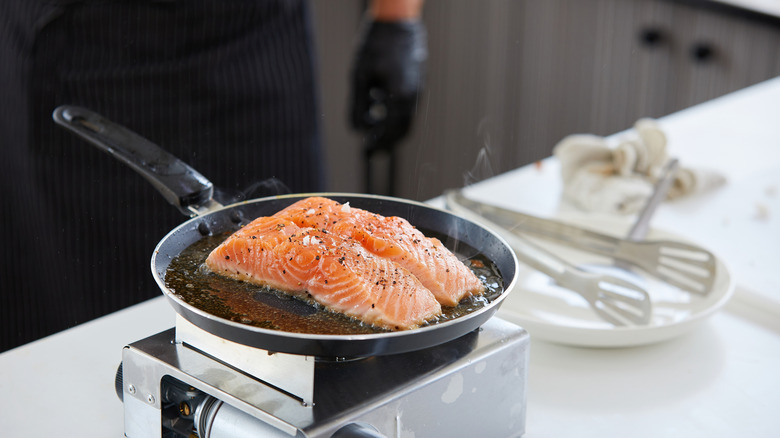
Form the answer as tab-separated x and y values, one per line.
184	187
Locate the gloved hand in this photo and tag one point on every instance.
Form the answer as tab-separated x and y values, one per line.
387	78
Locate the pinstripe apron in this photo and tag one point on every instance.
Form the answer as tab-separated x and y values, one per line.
225	85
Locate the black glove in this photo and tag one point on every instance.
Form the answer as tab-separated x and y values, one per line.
387	78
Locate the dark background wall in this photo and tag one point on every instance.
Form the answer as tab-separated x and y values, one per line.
508	79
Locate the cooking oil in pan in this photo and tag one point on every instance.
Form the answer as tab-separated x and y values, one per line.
268	308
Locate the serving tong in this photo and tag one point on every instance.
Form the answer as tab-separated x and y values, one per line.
615	300
688	267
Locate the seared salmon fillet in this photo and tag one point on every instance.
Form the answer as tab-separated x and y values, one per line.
336	272
395	239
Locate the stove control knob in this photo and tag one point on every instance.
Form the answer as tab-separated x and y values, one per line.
358	430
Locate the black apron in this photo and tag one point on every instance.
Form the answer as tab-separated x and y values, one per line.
227	86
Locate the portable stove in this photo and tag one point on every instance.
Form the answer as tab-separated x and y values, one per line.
213	377
186	382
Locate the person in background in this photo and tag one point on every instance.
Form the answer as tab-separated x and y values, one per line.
228	86
386	79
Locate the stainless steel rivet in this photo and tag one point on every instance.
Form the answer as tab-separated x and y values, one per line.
150	399
131	389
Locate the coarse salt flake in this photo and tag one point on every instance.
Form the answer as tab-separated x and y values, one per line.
310	240
345	208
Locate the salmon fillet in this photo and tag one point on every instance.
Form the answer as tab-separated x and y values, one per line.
336	272
393	238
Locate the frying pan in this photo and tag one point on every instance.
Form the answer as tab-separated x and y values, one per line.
191	193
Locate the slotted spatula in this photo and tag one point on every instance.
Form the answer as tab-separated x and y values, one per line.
688	267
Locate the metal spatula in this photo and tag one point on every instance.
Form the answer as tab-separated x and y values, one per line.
688	267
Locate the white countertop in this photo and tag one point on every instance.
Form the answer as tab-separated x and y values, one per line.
768	7
720	380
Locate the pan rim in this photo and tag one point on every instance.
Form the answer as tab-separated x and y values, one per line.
248	330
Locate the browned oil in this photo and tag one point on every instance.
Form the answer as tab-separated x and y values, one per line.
272	309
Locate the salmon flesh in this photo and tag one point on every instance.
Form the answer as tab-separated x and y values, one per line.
379	270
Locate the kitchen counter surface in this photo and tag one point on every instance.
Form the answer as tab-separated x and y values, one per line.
767	7
719	380
765	10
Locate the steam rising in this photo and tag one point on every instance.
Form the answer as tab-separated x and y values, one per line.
482	169
259	189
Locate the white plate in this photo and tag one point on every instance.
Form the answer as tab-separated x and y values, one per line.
558	315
